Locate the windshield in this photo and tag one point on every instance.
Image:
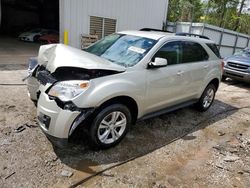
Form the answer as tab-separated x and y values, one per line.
125	50
244	53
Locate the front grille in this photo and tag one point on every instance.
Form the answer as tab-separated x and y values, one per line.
237	66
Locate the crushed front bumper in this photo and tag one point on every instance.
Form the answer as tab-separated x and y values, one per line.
53	120
59	123
238	75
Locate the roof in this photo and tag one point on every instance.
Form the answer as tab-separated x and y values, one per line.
156	35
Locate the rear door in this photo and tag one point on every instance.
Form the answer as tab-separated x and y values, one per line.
195	57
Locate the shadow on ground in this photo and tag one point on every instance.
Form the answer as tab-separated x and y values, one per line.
145	137
240	84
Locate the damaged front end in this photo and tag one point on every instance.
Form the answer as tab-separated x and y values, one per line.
54	85
58	62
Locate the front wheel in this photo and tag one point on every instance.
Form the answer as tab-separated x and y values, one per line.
206	99
110	126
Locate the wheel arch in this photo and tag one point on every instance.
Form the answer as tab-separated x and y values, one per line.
215	82
129	102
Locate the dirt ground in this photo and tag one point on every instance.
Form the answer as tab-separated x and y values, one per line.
184	148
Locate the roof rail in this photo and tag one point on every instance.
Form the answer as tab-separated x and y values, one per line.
152	29
192	35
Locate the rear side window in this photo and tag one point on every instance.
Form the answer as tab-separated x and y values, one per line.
214	48
193	52
170	51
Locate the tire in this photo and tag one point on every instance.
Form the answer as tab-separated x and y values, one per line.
104	133
207	98
223	79
35	38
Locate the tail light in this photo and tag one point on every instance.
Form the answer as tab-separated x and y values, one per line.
222	65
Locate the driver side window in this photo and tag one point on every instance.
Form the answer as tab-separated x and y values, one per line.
170	51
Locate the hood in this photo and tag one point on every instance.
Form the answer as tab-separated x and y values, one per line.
54	56
238	59
25	34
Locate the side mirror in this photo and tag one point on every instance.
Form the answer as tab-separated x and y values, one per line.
158	62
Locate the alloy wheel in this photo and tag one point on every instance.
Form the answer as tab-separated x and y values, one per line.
112	127
208	99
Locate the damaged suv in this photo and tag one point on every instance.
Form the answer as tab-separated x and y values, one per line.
124	77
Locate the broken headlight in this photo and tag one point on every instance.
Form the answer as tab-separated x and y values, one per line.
67	90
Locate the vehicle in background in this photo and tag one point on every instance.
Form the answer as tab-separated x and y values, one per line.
51	38
124	77
237	66
34	34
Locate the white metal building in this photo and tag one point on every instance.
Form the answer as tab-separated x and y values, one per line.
103	17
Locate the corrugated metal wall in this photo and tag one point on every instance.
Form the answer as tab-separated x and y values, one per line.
228	41
130	14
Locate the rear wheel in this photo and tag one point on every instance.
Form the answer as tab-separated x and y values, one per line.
110	126
207	98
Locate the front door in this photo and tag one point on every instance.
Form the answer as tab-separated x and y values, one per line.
166	86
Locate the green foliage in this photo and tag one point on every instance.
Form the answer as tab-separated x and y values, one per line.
185	10
222	13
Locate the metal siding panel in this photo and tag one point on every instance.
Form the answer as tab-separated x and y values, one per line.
228	39
242	42
130	15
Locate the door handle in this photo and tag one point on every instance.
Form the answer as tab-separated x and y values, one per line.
180	73
206	66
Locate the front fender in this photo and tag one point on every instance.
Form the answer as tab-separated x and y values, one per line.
105	88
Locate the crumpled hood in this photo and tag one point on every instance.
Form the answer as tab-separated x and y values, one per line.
59	55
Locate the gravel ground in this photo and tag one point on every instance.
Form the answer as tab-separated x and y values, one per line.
182	149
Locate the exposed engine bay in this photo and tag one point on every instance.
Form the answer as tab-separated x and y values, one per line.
69	73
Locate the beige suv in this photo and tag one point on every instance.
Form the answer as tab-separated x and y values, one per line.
124	77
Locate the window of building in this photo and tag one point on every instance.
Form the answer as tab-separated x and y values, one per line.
102	26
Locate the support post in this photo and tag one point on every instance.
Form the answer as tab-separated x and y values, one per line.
235	43
66	37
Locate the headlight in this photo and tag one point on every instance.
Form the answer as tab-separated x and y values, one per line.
67	90
225	63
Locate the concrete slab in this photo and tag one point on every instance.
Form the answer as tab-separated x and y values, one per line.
14	53
12	77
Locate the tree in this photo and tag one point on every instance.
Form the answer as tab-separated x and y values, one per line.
223	13
174	10
237	24
184	10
